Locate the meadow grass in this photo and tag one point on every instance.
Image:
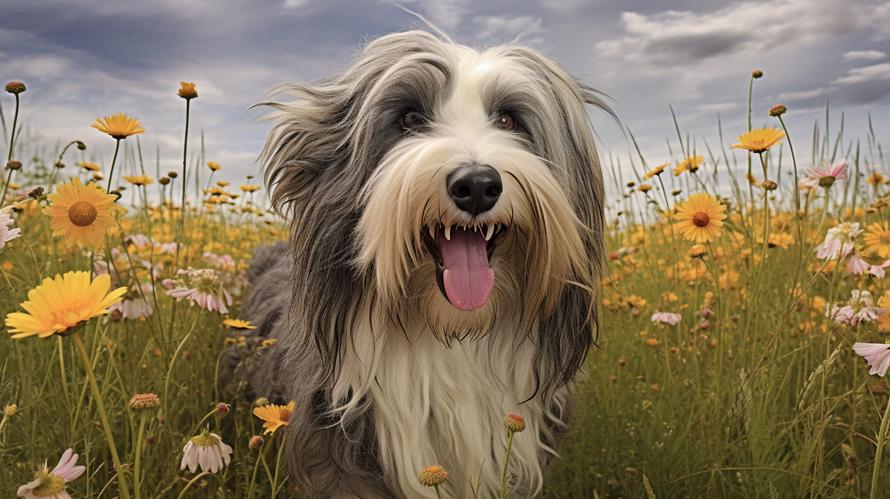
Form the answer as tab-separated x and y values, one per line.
755	392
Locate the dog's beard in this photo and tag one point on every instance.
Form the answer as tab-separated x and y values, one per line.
456	272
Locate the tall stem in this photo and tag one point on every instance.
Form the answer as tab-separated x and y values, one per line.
103	416
15	118
117	146
506	464
185	146
882	435
137	482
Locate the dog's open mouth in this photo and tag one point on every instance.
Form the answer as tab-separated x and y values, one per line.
463	261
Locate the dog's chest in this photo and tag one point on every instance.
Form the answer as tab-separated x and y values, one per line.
439	405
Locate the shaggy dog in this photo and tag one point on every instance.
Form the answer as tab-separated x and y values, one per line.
446	210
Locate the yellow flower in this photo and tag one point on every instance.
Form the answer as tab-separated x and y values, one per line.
690	164
187	90
780	240
81	213
700	218
877	239
238	324
274	416
213	165
432	476
61	303
86	165
759	139
875	179
138	179
223	183
655	171
250	188
119	126
884	319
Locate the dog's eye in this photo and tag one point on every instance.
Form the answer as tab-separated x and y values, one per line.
505	121
412	120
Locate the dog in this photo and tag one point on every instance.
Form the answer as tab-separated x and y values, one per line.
443	268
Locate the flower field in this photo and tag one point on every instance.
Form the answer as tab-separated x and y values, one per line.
742	349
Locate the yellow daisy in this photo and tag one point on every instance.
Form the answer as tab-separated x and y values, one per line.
759	139
877	239
690	164
187	90
884	319
223	183
655	171
213	165
81	213
238	324
249	188
700	218
138	179
61	303
86	165
119	126
274	416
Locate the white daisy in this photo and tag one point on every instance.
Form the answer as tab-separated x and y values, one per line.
206	451
51	484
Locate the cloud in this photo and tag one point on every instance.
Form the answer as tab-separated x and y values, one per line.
505	29
865	74
864	55
674	37
863	85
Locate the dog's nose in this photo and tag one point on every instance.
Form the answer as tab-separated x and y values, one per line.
474	188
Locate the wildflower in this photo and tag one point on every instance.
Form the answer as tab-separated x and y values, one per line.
697	251
860	308
778	110
690	165
81	213
119	126
652	342
700	218
877	239
201	287
255	442
883	321
90	167
223	408
51	484
144	401
875	179
826	175
838	241
15	87
138	179
514	423
7	231
187	90
644	188
13	165
249	188
213	165
206	450
238	324
876	355
61	303
274	416
759	139
780	240
668	318
432	476
658	170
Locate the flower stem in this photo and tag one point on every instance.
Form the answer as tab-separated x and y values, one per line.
879	451
15	118
117	146
278	465
137	485
506	464
192	482
106	426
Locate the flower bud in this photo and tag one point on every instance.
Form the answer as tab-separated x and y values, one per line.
757	73
13	165
15	87
777	110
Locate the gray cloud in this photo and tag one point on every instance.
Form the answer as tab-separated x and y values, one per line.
864	55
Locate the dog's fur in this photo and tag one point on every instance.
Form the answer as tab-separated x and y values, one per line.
387	375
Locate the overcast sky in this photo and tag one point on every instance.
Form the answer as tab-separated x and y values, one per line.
87	58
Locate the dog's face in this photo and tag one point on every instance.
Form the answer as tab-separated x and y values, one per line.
470	179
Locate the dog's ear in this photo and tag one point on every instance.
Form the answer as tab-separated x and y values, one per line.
566	334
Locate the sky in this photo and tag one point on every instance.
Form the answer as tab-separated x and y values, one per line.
88	58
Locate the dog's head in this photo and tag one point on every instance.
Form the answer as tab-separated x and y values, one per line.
459	187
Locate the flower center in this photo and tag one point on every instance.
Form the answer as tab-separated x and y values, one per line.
50	484
82	214
701	219
205	439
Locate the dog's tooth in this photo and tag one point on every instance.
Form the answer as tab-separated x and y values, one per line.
448	232
432	229
489	232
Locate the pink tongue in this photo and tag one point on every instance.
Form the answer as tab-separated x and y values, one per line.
468	277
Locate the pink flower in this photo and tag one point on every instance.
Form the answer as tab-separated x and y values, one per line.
877	355
51	484
825	175
6	232
858	265
668	318
204	300
838	241
860	308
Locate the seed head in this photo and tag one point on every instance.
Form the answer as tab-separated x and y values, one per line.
144	401
36	193
164	180
59	164
10	410
80	145
172	174
769	185
223	408
15	87
757	73
433	475
255	442
514	423
13	164
777	110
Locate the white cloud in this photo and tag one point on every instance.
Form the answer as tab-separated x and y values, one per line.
865	74
864	55
508	28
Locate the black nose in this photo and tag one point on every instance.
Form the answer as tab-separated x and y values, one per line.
474	188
